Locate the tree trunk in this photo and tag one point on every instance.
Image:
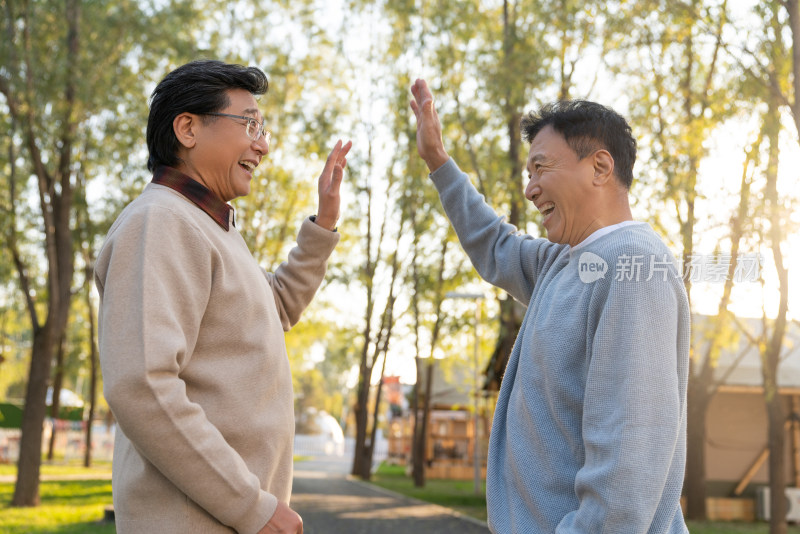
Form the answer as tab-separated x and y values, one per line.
55	199
772	351
777	468
695	482
366	466
421	427
55	406
417	466
87	458
422	444
360	414
365	370
26	491
701	390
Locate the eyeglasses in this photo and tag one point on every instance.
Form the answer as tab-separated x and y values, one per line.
255	130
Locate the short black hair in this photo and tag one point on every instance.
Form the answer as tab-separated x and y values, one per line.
586	127
197	87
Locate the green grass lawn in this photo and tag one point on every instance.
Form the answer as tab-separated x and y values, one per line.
67	506
64	469
458	495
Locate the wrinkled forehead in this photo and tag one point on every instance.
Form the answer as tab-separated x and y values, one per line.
242	102
548	145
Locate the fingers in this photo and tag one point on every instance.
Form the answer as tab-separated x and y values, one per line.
422	96
337	157
336	178
342	159
423	100
284	520
420	90
429	127
333	156
329	182
333	172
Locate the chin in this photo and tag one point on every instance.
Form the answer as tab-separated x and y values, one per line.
551	236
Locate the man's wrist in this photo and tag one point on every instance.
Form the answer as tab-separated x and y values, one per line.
437	160
321	221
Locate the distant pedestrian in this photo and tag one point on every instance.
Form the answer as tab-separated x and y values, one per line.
191	327
589	432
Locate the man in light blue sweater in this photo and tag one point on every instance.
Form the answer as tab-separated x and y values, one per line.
589	432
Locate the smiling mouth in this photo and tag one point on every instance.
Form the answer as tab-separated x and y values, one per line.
546	210
247	165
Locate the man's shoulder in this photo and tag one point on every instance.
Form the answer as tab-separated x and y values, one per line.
157	207
634	253
160	203
633	240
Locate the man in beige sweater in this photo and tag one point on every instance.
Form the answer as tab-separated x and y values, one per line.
191	327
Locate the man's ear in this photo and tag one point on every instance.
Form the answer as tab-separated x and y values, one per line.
184	126
603	167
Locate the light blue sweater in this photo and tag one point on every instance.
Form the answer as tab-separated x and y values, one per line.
589	432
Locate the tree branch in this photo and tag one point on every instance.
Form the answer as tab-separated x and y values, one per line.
11	238
473	157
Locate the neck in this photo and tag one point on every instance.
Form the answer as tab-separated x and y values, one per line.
608	217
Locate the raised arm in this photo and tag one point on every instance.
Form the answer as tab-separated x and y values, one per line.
499	253
295	282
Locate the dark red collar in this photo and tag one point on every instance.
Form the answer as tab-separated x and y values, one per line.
220	211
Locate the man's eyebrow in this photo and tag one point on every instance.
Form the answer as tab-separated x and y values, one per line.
250	111
537	158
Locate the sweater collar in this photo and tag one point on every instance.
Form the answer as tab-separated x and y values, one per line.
220	211
597	234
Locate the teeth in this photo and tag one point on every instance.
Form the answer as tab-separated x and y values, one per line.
247	164
544	209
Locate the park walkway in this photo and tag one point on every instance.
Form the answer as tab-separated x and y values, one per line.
330	503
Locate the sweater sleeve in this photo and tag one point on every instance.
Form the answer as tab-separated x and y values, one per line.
296	280
501	255
632	411
154	277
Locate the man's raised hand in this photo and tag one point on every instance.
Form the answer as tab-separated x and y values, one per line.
329	182
429	129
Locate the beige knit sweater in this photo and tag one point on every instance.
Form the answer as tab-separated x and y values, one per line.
195	367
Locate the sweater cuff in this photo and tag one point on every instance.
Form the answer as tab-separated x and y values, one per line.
263	512
316	238
445	174
314	220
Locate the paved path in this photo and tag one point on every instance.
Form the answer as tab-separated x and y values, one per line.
330	503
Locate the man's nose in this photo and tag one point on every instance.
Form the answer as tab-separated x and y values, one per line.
532	190
261	145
